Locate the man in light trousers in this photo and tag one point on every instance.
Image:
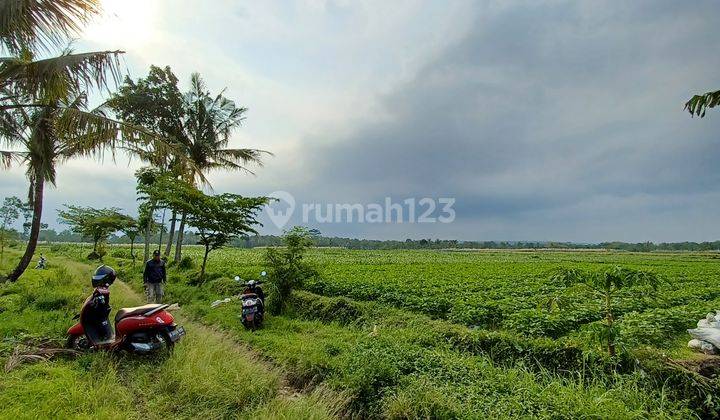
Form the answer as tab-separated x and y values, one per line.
154	277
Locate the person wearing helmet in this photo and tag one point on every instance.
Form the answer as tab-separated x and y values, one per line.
96	317
154	276
42	263
254	287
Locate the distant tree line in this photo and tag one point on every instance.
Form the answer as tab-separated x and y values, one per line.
352	243
191	238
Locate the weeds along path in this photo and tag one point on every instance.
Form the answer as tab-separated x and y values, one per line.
208	375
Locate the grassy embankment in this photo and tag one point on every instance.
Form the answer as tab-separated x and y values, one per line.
208	376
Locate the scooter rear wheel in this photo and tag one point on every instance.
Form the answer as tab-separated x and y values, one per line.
164	339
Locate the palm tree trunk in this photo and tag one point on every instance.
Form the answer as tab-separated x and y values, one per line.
181	233
38	187
171	234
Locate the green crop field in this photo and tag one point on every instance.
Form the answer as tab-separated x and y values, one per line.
503	290
443	334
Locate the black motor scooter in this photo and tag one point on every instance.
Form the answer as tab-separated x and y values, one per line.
253	304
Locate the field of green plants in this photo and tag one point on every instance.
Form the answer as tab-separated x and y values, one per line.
408	334
503	290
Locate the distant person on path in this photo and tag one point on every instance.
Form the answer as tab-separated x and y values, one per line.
154	277
41	263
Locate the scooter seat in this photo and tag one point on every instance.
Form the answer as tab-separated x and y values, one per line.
138	310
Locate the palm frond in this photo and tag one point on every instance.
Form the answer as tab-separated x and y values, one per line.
223	164
698	104
8	158
53	78
12	125
43	23
91	133
238	159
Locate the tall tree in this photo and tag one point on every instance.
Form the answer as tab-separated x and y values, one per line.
221	218
209	122
131	228
37	24
155	102
198	122
146	180
96	224
217	218
44	115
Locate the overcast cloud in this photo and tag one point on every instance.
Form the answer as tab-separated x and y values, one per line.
544	120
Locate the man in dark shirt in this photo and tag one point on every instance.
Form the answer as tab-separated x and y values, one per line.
154	277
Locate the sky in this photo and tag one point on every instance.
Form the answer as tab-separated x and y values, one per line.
543	120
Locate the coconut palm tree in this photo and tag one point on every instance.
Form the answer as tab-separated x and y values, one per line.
208	123
155	102
44	136
44	115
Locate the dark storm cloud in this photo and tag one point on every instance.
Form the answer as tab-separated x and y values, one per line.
542	109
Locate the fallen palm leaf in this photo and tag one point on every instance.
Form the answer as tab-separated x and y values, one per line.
25	354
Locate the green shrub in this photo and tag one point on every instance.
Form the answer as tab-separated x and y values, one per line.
287	270
27	298
196	279
177	278
341	310
121	253
61	276
52	301
96	255
186	263
226	287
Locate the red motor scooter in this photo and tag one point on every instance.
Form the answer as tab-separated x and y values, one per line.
143	329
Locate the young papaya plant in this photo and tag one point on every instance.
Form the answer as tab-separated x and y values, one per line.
605	286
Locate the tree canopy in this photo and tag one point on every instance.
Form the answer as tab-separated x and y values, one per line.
96	224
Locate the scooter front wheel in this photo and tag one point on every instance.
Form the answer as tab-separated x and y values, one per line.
77	342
